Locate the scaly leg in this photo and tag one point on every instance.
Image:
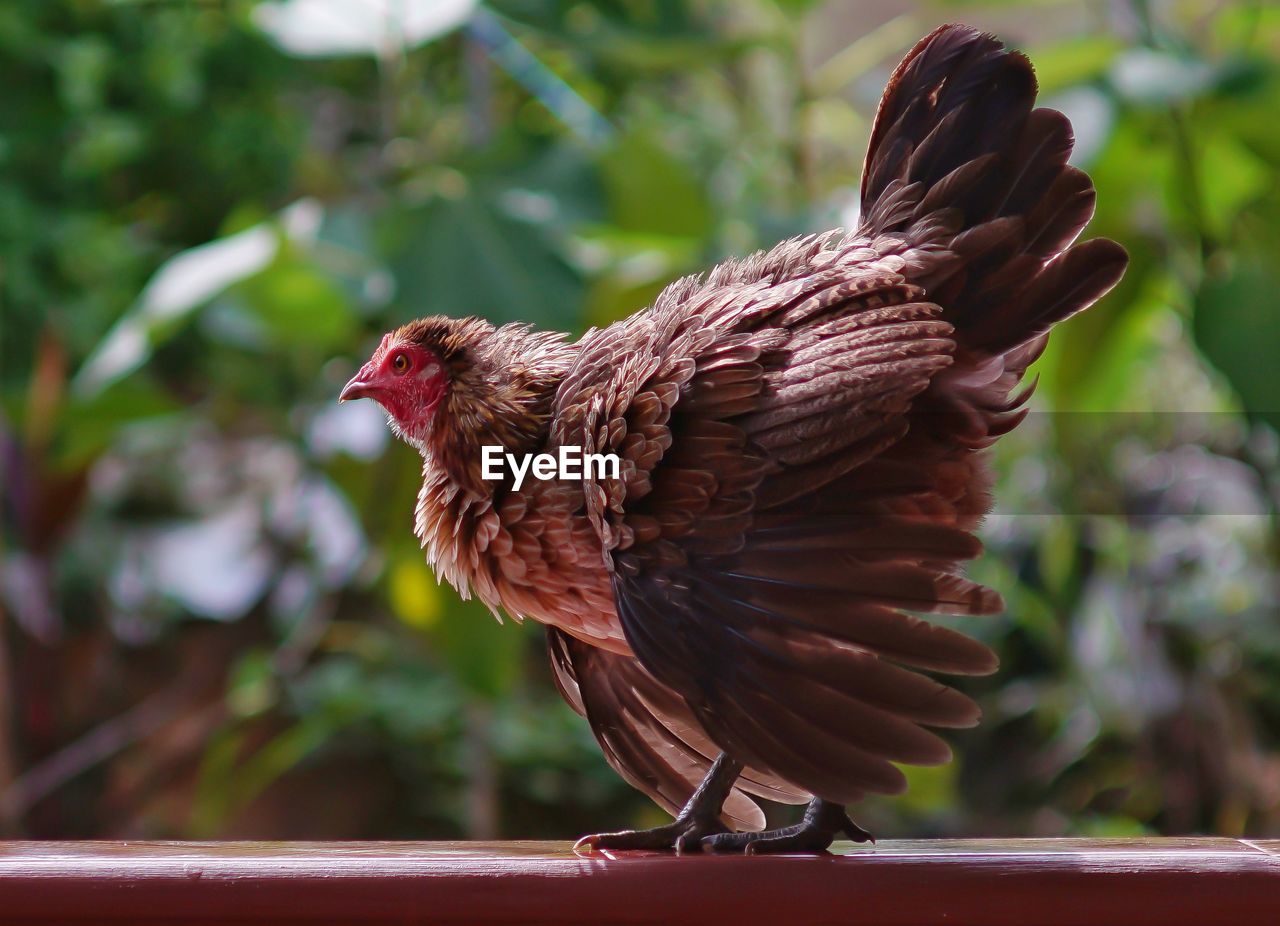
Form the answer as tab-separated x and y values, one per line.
698	819
822	822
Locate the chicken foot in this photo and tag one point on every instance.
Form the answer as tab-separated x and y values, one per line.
823	821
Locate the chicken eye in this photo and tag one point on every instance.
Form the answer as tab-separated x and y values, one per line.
400	363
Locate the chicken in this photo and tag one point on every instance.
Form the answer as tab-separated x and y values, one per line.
802	439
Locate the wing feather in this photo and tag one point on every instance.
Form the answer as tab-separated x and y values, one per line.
648	733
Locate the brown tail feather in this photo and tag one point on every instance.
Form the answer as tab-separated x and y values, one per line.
956	138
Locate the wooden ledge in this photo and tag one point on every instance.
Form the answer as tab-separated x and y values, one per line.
1052	882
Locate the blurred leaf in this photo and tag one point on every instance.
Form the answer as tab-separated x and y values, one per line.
1130	346
1135	168
1237	326
931	790
92	424
260	770
648	190
298	304
613	298
214	783
1073	61
866	52
484	655
183	284
230	780
1231	177
105	142
469	256
251	689
1072	372
1058	555
630	268
1247	25
564	182
83	66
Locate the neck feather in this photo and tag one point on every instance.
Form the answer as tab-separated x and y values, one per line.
501	395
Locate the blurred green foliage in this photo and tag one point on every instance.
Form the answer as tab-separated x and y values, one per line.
216	621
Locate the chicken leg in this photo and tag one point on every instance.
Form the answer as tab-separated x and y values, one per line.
698	820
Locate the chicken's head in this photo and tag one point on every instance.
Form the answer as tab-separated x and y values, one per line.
452	386
406	376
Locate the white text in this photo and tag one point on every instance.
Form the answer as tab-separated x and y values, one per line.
566	463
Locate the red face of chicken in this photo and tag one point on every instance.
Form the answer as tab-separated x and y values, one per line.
406	379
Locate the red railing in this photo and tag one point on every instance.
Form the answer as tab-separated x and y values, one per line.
1062	882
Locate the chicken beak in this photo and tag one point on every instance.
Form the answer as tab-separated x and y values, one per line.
359	387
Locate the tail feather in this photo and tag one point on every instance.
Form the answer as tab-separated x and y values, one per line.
957	145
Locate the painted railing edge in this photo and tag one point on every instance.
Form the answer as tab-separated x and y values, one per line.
1056	882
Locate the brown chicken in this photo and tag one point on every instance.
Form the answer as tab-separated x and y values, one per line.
801	436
